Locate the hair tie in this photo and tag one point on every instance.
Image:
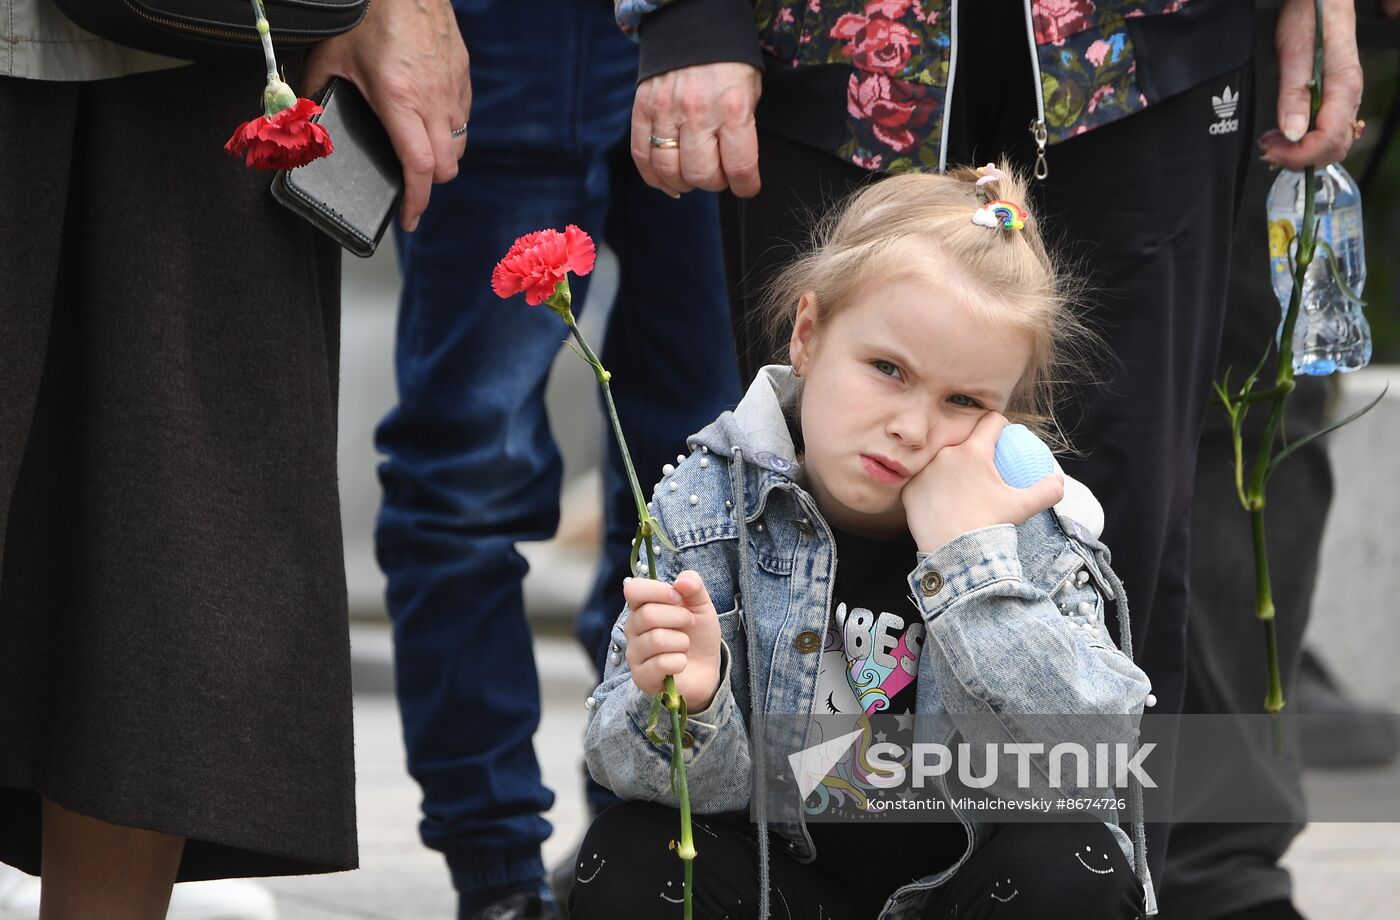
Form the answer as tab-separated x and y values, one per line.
989	173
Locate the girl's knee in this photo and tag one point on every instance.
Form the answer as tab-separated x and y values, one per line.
625	844
627	868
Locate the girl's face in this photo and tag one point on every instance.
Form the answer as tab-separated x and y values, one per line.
894	377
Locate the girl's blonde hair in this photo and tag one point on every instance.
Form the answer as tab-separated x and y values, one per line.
1006	276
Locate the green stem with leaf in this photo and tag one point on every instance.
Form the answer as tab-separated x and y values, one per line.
647	529
1252	493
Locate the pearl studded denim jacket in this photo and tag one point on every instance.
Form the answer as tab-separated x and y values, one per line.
1014	628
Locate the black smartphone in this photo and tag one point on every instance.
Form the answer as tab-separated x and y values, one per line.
353	193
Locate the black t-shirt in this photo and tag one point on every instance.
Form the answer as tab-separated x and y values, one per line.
869	664
870	654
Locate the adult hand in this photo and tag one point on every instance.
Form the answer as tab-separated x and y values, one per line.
960	490
1292	145
673	629
1391	8
408	59
709	110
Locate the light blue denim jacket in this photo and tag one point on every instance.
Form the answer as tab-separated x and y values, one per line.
1013	629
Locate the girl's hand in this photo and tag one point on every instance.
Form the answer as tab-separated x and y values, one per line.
960	490
674	630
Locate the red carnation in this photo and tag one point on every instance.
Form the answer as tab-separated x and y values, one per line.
283	141
538	261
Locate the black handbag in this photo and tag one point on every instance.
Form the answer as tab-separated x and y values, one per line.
199	30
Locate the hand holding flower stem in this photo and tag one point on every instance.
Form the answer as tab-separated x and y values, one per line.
1252	493
1252	498
538	265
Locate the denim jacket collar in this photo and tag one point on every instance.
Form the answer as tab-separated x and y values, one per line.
758	427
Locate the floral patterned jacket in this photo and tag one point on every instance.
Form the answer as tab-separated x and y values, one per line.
1089	58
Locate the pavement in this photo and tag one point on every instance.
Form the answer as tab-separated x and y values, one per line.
1341	871
399	878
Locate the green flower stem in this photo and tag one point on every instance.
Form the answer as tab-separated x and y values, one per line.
686	849
1263	592
1271	393
1283	386
603	377
1265	611
675	705
1252	497
264	33
669	697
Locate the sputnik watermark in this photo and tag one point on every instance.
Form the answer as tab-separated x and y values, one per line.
892	765
887	757
1047	806
1030	767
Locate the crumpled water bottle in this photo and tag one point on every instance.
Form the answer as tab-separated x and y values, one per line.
1331	334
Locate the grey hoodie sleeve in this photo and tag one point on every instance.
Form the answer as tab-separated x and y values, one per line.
716	744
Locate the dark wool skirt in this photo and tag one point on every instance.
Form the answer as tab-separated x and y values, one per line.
174	650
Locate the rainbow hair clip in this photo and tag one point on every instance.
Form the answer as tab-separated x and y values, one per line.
1005	215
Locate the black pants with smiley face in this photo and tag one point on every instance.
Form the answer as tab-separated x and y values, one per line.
1024	872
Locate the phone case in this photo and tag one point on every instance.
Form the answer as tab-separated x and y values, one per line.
353	193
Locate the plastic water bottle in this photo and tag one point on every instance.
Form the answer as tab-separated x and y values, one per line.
1331	334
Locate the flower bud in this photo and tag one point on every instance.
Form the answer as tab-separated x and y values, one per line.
277	96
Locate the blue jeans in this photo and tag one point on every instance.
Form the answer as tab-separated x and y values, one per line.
470	465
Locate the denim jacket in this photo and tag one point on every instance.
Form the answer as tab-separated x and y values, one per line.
738	514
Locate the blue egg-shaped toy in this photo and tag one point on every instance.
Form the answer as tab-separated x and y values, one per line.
1022	459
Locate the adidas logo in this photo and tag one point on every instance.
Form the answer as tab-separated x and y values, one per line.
1225	105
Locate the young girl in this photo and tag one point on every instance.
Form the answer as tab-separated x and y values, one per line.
844	543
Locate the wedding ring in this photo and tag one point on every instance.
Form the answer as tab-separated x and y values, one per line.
460	132
1358	128
664	143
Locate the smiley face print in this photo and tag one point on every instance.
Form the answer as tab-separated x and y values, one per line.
1003	891
588	868
1096	861
674	892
